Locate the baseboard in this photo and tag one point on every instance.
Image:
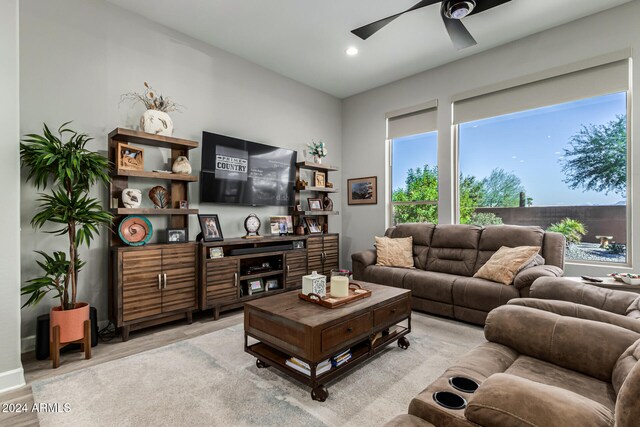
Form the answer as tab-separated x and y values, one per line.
11	380
28	344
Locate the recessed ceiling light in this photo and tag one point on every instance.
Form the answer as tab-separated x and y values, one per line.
459	9
352	51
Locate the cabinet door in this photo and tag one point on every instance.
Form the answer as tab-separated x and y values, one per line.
221	281
295	268
330	249
179	278
314	254
141	284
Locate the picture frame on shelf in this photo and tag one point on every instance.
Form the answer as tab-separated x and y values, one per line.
298	244
130	157
183	204
363	191
215	253
281	225
210	227
272	284
255	286
177	235
313	225
314	204
298	208
319	178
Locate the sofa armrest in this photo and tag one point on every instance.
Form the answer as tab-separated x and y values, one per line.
565	308
508	400
586	346
527	276
361	260
573	291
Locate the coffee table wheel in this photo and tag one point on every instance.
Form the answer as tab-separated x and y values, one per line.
320	393
260	364
403	343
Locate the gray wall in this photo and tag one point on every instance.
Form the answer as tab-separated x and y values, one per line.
11	375
363	116
78	56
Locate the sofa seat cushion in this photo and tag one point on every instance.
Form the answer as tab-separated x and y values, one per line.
390	276
478	364
430	285
554	375
481	294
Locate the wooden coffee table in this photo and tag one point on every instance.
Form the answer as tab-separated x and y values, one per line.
285	326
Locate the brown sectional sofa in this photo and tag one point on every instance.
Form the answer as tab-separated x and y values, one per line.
541	369
447	256
571	298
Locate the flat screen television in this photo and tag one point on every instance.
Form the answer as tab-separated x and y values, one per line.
246	173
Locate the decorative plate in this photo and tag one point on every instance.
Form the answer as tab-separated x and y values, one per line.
135	230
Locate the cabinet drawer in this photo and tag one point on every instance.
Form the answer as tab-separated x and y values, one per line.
391	313
343	333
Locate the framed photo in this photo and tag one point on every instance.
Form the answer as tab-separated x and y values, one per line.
363	191
315	204
216	253
130	157
281	225
298	208
210	226
272	284
255	286
177	235
313	225
298	244
319	178
183	204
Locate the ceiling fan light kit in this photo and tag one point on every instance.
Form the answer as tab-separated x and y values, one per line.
458	9
452	13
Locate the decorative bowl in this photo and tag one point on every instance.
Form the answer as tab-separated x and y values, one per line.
135	230
631	280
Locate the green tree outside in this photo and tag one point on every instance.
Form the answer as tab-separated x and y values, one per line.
501	189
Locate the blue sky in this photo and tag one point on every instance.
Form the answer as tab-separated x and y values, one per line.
530	144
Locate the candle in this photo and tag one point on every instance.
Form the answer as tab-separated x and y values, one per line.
339	286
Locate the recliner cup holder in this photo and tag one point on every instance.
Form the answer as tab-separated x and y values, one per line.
463	384
449	400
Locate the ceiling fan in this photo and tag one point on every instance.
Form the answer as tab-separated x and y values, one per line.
452	11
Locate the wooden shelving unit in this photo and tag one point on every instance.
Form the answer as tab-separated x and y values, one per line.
155	283
322	216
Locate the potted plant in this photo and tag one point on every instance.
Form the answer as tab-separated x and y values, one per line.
318	150
156	119
70	170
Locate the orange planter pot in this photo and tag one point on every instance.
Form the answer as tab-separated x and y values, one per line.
71	322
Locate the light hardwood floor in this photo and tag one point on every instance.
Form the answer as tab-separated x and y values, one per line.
139	341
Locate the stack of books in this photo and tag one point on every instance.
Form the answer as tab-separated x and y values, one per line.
342	358
304	367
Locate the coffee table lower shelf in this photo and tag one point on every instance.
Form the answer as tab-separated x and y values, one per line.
267	355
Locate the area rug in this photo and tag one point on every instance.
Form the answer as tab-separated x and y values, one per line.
210	381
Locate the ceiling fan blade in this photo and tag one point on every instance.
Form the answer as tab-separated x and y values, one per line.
482	5
368	30
460	36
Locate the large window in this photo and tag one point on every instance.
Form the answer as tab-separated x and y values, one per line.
562	167
414	178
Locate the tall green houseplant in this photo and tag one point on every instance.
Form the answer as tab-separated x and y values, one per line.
62	162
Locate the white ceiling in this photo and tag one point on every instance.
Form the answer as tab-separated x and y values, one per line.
305	40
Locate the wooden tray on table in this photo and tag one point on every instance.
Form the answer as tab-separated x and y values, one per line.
355	293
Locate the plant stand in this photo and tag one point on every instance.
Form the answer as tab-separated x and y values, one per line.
56	345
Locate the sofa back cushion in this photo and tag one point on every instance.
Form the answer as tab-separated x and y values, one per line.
626	383
495	236
454	249
553	247
422	234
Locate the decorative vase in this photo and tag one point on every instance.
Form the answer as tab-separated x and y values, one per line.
317	159
181	166
131	198
156	122
71	322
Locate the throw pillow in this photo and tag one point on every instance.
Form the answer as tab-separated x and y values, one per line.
394	252
503	266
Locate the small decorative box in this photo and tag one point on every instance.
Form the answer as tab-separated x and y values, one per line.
314	284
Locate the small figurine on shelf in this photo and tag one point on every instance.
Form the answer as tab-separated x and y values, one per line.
131	198
182	166
327	203
318	150
328	184
160	197
301	184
